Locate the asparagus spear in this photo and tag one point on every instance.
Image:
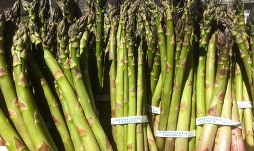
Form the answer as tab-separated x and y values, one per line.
202	104
183	124
9	135
77	143
210	67
221	78
33	121
8	90
75	34
52	103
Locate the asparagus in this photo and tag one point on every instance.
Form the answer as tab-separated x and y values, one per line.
202	103
8	90
77	143
75	35
178	82
210	67
99	44
33	123
10	136
221	78
52	103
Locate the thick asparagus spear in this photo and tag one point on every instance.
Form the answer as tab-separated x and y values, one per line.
221	78
33	121
8	90
9	135
52	103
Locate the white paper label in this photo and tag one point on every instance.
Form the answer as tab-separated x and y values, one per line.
216	121
244	104
3	148
176	134
129	120
153	109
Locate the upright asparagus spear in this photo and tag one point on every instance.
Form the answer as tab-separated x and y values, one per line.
202	104
221	78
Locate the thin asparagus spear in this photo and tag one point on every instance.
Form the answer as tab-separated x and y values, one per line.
140	95
192	141
210	67
248	120
202	104
183	123
131	140
62	38
238	143
8	90
9	135
52	103
209	130
239	88
179	80
33	122
75	34
99	44
69	121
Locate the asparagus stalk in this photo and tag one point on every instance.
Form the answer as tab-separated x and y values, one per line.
248	121
239	87
77	143
33	123
185	110
8	90
10	136
210	67
131	141
62	38
79	85
178	82
99	44
209	130
238	143
52	103
202	103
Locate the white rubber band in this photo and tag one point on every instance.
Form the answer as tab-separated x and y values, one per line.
153	109
244	104
3	148
129	120
216	121
176	134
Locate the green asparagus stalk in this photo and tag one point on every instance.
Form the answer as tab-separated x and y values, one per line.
248	121
131	141
99	44
79	85
238	143
140	97
52	103
239	88
62	38
8	90
77	143
10	136
210	67
33	123
183	124
221	78
192	141
202	104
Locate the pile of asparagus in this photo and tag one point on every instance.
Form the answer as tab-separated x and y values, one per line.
179	75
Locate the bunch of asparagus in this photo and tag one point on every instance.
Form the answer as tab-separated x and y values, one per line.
171	64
